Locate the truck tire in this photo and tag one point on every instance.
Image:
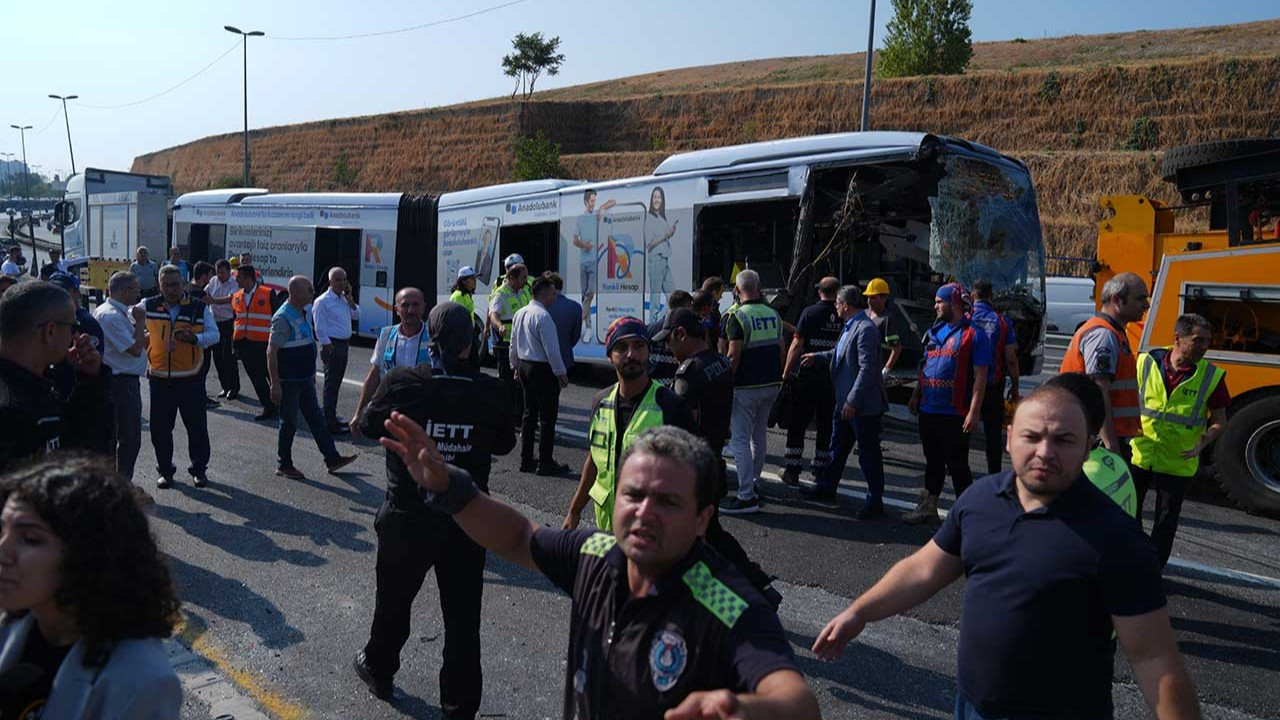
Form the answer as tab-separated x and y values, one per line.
1248	456
1188	156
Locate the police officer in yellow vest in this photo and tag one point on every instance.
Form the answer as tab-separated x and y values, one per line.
178	331
505	301
1184	403
619	413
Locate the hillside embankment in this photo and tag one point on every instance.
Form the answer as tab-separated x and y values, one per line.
1084	131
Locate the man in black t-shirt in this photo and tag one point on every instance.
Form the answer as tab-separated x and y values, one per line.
705	382
662	366
1052	566
810	388
469	414
659	621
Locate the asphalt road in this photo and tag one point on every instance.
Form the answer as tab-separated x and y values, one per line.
277	578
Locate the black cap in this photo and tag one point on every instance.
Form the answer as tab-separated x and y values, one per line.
682	317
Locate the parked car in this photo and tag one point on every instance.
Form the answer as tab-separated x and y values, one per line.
1070	303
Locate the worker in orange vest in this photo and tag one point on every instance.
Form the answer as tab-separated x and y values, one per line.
250	331
1101	350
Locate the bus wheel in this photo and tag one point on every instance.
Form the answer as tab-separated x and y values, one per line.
1248	456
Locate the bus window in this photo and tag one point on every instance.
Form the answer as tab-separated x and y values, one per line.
758	235
337	247
202	241
538	244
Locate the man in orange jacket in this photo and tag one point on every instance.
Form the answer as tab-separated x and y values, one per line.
1100	349
251	330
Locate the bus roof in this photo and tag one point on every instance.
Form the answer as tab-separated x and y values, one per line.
260	196
504	191
810	147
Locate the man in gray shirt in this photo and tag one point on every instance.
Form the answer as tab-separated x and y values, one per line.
536	361
147	273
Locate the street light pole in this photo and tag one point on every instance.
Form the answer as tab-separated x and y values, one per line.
68	119
245	39
866	78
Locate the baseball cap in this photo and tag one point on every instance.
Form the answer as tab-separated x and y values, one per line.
951	292
877	286
624	328
680	318
513	259
66	281
466	271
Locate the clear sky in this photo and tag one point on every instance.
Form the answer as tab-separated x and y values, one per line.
111	53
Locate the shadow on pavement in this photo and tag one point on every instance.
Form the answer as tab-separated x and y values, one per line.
873	679
233	600
270	516
239	540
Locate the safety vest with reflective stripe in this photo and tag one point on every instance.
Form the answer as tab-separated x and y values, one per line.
1124	388
603	441
252	321
166	357
761	362
390	335
465	299
510	301
1110	474
1172	422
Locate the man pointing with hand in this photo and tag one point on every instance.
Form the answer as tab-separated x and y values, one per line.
661	625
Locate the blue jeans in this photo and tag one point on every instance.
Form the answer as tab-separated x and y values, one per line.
866	430
965	710
301	395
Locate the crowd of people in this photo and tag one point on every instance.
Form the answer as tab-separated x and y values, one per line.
670	613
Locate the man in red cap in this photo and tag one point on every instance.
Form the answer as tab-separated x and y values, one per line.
948	398
619	413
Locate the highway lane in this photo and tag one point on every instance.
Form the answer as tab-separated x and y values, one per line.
278	579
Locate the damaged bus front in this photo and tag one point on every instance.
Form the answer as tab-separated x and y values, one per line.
916	210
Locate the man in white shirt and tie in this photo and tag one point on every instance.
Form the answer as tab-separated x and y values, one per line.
124	331
333	313
537	362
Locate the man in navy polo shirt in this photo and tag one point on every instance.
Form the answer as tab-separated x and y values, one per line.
1052	566
661	626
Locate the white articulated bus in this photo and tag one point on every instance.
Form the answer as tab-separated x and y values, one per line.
912	208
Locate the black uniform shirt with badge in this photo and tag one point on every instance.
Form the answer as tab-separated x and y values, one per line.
702	628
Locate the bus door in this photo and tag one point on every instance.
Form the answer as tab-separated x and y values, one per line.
203	241
620	265
337	247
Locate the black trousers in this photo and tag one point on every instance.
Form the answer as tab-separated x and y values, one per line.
409	544
254	357
946	449
224	358
541	391
334	357
169	398
502	355
993	427
1170	491
812	394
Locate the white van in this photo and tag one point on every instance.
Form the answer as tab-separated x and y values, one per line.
1070	301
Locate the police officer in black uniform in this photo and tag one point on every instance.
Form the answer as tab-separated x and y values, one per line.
811	392
469	415
660	622
662	365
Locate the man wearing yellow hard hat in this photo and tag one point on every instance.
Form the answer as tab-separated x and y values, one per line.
877	294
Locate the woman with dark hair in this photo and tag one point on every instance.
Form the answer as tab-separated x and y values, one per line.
657	247
86	598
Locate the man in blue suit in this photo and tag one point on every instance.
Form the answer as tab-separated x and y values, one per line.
860	404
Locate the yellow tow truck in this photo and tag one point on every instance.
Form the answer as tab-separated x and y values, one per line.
1230	274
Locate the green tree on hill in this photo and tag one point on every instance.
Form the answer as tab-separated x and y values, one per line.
533	56
927	37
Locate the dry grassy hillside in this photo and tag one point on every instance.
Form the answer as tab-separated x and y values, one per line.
1076	127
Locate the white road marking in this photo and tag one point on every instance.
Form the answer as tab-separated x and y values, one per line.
1189	565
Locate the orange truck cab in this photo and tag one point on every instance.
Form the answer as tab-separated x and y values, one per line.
1230	274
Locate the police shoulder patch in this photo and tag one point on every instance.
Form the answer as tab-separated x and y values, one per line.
714	595
598	544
